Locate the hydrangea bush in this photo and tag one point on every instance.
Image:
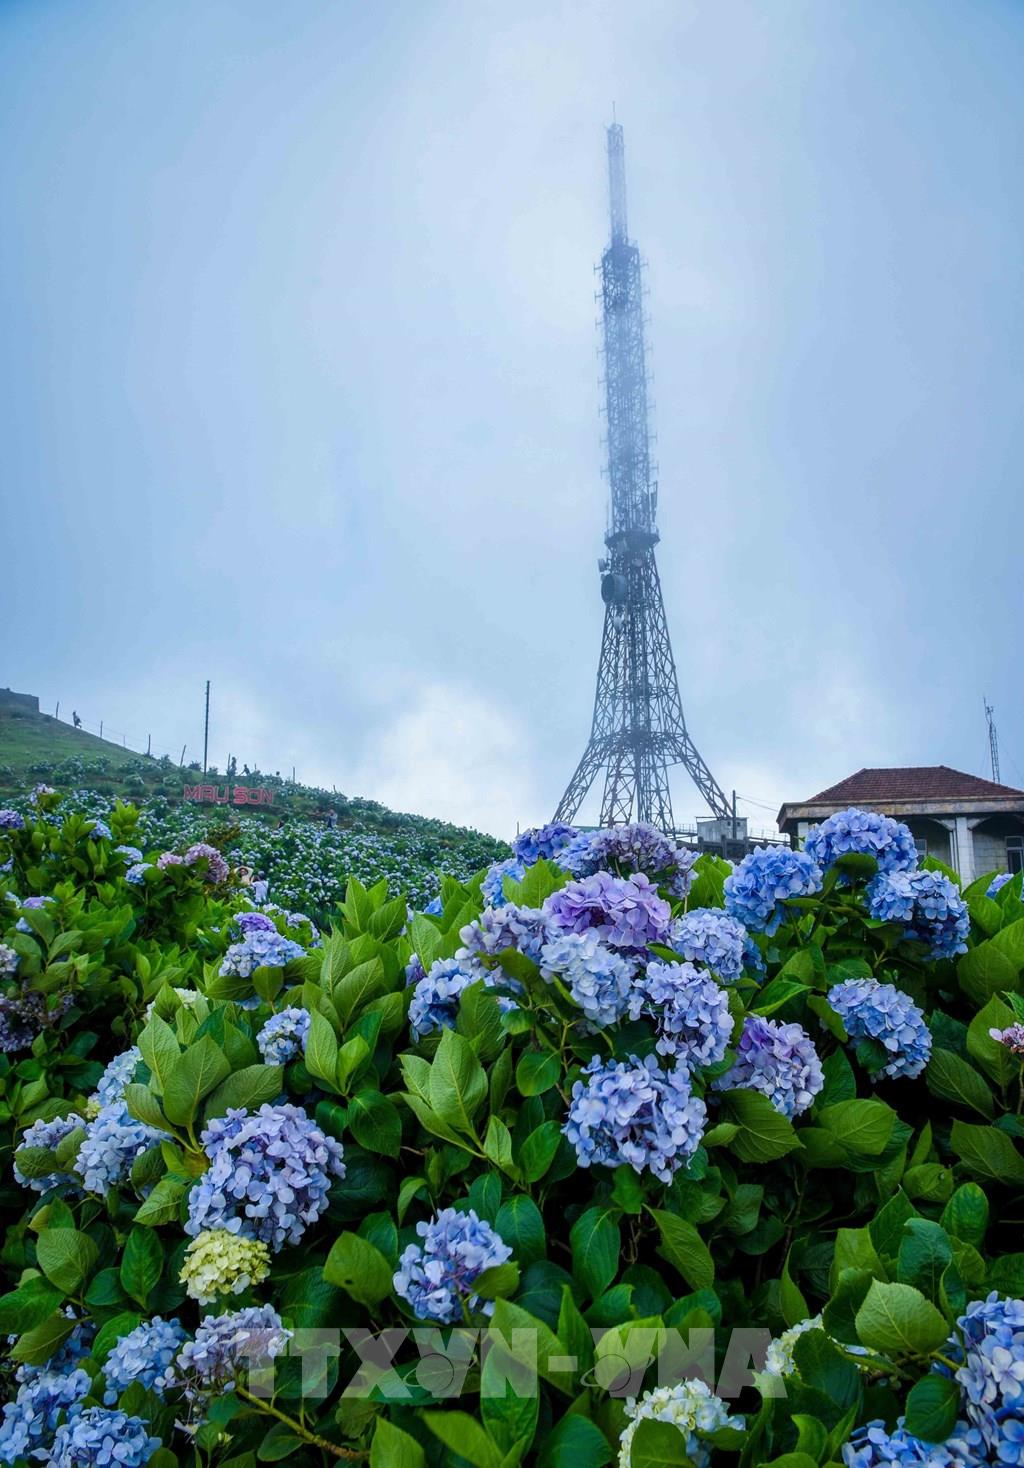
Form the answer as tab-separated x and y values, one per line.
615	1155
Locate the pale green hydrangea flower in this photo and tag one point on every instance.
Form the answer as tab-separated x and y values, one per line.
218	1262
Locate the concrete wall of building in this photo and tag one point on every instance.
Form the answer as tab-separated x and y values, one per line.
931	837
990	838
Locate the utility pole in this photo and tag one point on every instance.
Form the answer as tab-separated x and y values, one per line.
993	741
149	741
182	760
206	727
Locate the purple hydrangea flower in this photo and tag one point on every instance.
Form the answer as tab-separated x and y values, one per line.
597	977
227	1347
764	879
435	999
632	1113
216	866
862	833
283	1037
928	906
11	820
543	843
102	1435
269	1175
169	859
146	1354
631	848
261	948
779	1060
49	1134
689	1009
30	1421
1012	1037
491	887
881	1012
254	922
436	1276
626	912
709	936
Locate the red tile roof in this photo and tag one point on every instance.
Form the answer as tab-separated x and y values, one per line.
913	782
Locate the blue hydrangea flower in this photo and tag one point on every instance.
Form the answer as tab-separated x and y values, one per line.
626	912
992	1375
435	907
101	1435
113	1142
598	978
436	1276
31	904
998	883
100	831
873	1446
710	937
283	1037
49	1134
510	926
145	1354
690	1011
779	1060
30	1421
491	887
226	1347
8	960
135	873
757	888
261	948
633	1113
928	906
862	833
884	1013
542	843
119	1071
11	820
753	959
435	999
269	1175
631	848
130	853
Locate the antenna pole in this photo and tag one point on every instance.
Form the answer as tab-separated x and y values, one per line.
993	741
206	727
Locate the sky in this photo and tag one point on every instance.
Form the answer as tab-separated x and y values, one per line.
299	388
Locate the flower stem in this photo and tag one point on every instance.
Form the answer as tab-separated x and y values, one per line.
349	1454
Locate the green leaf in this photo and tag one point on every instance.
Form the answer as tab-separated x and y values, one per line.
67	1257
774	995
933	1406
29	1305
925	1252
658	1445
575	1442
38	1344
764	1135
358	1268
898	1320
194	1075
987	1152
498	1145
791	1300
458	1085
279	1443
479	1019
393	1448
321	1055
886	1228
498	1282
249	1088
994	1058
144	1106
595	1242
163	1204
375	1123
952	1079
464	1435
860	1126
141	1264
966	1214
356	989
537	1072
520	1224
683	1246
509	1400
508	1317
985	971
160	1050
538	1151
824	1368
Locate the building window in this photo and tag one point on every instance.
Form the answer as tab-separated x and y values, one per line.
1014	853
922	846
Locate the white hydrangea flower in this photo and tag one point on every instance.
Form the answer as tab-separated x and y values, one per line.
690	1405
218	1262
778	1359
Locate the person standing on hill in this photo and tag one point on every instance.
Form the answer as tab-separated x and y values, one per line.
75	719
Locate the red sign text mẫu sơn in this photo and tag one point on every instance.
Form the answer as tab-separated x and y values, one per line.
229	794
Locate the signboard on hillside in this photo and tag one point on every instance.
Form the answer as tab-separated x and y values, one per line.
229	794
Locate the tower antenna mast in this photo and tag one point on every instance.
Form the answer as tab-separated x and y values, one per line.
993	741
638	728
